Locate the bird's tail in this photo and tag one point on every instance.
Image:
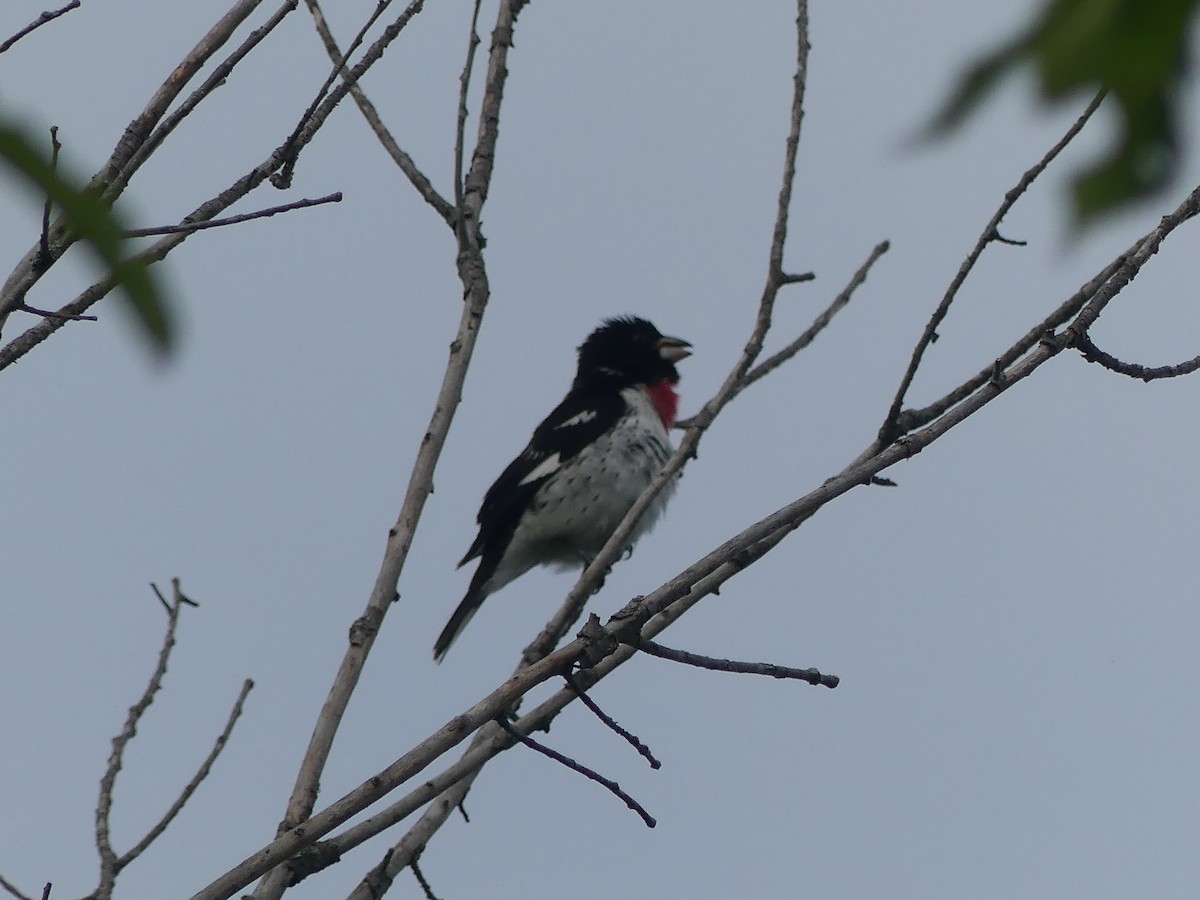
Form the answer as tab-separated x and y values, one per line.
462	615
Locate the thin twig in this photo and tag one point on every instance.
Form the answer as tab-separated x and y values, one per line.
422	880
12	889
820	323
889	430
812	676
43	261
201	773
581	769
109	862
284	178
418	179
633	740
191	227
38	23
464	87
52	314
1094	354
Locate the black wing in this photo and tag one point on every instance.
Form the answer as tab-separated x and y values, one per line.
581	418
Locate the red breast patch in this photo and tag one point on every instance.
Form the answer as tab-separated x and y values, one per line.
665	400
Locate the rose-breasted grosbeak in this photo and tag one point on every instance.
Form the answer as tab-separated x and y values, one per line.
560	500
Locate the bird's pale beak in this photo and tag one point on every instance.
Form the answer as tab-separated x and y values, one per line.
673	349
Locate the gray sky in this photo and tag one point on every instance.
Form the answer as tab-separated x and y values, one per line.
1015	624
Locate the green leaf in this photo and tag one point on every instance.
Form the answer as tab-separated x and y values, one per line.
1137	50
94	222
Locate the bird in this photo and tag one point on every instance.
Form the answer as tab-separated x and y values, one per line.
563	496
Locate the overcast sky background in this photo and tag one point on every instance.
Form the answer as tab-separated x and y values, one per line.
1015	624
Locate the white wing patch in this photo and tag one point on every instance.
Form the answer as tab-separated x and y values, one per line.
547	466
581	418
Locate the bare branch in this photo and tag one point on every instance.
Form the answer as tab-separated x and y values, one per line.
201	773
581	769
405	162
812	676
629	737
1094	354
109	862
190	227
37	23
889	431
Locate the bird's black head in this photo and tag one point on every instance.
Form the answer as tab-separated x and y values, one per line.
626	351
